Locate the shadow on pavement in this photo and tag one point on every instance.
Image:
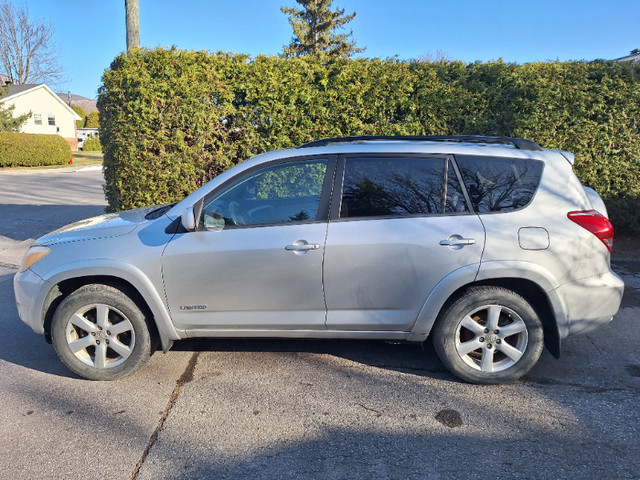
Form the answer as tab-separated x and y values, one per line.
347	453
408	358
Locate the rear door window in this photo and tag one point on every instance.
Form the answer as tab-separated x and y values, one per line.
399	186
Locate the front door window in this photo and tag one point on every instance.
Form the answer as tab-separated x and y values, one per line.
280	194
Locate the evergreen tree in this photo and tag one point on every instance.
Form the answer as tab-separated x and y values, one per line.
315	28
81	113
9	123
93	120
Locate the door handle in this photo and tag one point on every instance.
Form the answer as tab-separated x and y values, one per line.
457	241
301	247
305	247
461	241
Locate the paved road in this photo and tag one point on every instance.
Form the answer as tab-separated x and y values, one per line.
302	409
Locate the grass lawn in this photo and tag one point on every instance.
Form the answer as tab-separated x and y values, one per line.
83	159
80	159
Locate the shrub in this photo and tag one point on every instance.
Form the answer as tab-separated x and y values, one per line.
32	150
92	144
171	119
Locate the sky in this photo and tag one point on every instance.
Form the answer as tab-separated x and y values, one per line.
89	34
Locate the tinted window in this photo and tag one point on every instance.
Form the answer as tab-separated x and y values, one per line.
499	184
392	186
284	193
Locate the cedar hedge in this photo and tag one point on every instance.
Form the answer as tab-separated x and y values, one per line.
171	120
32	150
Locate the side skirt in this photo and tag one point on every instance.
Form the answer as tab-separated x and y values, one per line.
338	334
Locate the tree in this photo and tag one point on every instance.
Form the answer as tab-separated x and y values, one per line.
9	123
93	120
81	113
314	30
133	23
26	50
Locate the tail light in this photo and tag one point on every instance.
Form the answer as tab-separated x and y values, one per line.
596	223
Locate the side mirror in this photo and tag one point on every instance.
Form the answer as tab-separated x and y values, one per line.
188	219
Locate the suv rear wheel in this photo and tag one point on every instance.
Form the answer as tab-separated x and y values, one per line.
100	333
488	335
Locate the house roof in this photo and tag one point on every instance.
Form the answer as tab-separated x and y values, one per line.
634	56
18	90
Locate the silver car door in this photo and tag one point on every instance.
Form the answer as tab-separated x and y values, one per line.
255	263
400	229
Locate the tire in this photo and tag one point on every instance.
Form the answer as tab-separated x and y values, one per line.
466	341
100	333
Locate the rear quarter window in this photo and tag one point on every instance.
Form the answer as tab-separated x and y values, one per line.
499	184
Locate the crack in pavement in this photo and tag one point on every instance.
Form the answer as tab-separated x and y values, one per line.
186	377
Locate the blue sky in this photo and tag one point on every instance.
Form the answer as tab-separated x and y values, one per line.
90	33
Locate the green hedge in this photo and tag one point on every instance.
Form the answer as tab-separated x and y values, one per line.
31	150
171	119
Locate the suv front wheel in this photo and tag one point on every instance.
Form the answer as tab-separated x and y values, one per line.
488	335
100	333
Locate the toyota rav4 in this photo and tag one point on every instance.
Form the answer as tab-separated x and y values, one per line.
488	246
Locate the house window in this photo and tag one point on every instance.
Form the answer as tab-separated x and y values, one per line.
52	120
37	119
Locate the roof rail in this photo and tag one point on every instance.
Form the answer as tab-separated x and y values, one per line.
519	143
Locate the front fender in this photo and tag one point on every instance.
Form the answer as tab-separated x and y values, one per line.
119	270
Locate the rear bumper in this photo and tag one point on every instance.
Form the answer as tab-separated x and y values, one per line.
591	302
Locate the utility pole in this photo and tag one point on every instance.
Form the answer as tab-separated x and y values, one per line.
133	23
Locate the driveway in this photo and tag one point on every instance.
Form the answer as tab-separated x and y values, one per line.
301	409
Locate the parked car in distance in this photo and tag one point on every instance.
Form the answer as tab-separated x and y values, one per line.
488	246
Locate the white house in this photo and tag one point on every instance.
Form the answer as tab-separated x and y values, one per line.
85	133
49	114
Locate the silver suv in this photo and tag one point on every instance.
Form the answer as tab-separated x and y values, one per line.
489	246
